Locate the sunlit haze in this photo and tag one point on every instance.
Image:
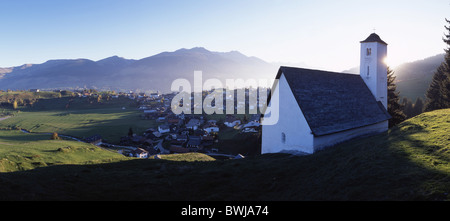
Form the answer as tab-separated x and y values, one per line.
317	34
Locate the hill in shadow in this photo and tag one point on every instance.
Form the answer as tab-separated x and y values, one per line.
411	162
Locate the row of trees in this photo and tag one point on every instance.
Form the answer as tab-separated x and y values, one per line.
437	96
412	109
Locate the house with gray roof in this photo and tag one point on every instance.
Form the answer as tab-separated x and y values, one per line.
193	124
318	109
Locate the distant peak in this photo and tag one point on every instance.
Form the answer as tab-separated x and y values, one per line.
199	49
195	49
234	52
115	57
26	66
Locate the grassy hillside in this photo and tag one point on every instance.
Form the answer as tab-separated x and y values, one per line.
410	162
20	151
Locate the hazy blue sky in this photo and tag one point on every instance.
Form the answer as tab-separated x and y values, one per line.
319	33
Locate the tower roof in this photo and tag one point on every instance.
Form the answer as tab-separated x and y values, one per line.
374	38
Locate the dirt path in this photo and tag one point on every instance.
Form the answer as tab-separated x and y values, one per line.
4	118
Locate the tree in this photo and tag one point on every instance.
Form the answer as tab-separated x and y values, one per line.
54	136
418	107
412	110
407	107
130	132
15	105
434	95
395	108
438	93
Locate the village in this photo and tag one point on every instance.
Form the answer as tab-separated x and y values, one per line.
177	133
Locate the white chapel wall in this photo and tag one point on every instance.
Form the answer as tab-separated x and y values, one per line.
297	134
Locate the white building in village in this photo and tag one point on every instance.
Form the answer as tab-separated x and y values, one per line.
318	108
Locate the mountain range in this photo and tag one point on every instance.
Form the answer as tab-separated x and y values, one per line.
414	78
154	73
157	72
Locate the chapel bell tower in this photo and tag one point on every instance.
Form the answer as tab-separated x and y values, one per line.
373	69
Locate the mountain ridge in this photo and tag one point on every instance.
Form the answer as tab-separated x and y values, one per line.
155	72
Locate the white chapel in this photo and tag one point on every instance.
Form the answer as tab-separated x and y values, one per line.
318	109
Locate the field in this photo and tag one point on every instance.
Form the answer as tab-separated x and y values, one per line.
111	120
410	162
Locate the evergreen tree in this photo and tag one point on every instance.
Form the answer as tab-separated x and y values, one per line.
418	107
438	94
407	107
130	132
395	108
434	97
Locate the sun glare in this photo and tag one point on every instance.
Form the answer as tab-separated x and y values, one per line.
387	61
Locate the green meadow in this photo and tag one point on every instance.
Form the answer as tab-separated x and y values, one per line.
111	120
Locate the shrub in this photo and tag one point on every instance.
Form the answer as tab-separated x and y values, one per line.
55	136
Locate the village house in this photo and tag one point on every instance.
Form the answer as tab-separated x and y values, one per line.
181	137
213	122
154	95
255	118
194	142
164	128
142	95
231	121
95	140
318	109
193	124
139	153
161	119
174	121
250	130
183	131
148	141
211	128
207	140
251	124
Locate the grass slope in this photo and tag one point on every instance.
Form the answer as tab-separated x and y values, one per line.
410	162
20	151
